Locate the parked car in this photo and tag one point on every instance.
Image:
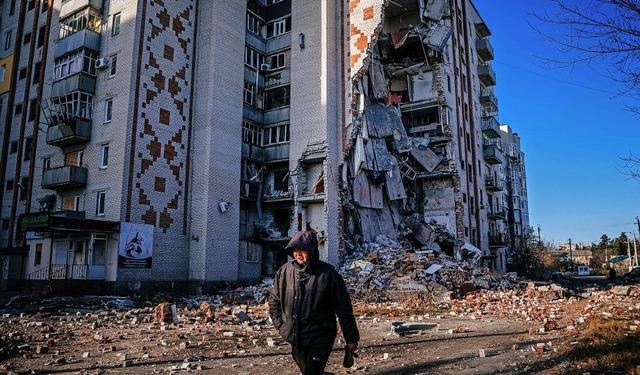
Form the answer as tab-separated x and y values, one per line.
633	275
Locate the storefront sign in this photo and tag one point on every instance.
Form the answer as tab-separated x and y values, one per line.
34	222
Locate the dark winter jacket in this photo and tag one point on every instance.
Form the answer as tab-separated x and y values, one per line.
305	300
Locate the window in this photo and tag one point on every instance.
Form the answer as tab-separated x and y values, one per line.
7	39
37	259
281	180
251	133
31	4
248	92
113	61
82	61
253	58
9	185
26	39
277	61
254	24
44	6
12	7
104	156
5	224
36	74
86	19
27	148
100	198
278	97
279	27
251	251
13	148
33	107
75	104
23	188
275	135
71	203
270	2
74	158
46	163
115	24
41	33
108	110
22	73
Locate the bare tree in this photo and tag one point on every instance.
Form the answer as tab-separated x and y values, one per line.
607	31
630	166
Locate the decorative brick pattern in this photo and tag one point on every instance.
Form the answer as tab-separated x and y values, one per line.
365	20
164	102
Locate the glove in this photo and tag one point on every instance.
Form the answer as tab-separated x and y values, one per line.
348	357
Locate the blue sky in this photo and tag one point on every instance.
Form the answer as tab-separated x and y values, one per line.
573	131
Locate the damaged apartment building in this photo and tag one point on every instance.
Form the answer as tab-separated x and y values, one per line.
151	145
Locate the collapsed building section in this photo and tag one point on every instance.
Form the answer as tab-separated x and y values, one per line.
417	152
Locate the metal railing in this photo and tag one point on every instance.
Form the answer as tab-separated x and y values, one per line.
60	272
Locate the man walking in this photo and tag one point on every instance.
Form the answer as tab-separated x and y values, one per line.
307	296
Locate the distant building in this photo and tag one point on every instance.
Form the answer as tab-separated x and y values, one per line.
177	145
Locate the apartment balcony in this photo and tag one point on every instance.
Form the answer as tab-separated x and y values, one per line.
482	30
487	97
485	49
490	127
492	154
252	151
277	152
69	132
498	240
76	82
493	185
486	75
66	177
72	6
497	212
512	151
85	38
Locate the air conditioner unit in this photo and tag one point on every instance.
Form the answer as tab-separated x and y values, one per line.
102	63
265	67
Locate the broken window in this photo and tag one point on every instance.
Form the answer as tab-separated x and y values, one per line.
85	19
277	61
251	133
249	89
253	58
281	180
278	97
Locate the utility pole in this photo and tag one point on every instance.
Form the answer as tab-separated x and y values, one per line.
570	255
635	250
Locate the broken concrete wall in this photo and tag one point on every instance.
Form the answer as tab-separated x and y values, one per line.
398	185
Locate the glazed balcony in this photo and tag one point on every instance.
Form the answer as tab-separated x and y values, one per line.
76	82
493	185
490	127
72	6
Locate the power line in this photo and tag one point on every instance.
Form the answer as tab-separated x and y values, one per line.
556	79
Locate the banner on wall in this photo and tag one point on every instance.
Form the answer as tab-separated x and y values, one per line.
135	249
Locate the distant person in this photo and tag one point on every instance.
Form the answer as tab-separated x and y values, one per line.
307	296
612	275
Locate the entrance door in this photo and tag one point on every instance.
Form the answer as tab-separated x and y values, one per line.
77	261
59	266
97	255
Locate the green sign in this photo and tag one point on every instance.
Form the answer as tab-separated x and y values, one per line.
34	222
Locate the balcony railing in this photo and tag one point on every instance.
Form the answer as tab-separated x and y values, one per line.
486	74
492	154
497	239
490	127
497	212
485	49
85	38
491	184
66	177
488	96
76	82
70	132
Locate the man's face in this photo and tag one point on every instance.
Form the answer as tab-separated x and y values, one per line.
301	256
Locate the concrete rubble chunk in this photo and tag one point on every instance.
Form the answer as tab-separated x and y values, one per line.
403	328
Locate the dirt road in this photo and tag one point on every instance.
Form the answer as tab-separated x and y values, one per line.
479	335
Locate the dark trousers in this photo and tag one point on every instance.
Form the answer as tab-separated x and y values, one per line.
311	361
